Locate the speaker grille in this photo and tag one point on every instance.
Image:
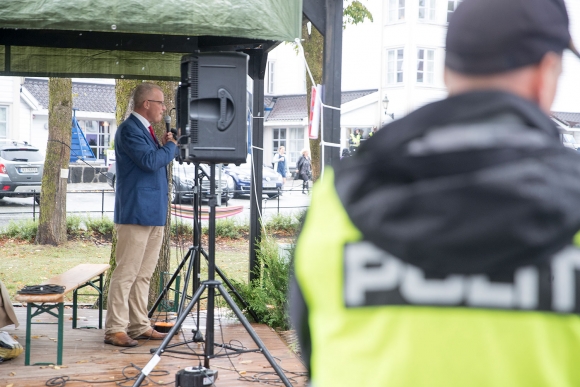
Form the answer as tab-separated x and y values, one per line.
193	94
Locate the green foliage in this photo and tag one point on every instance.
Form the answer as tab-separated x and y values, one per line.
24	229
181	229
286	224
355	12
102	226
267	296
230	228
73	225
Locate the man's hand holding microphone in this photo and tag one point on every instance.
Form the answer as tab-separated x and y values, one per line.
170	134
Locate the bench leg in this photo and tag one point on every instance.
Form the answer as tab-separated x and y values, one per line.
60	333
28	329
75	303
101	301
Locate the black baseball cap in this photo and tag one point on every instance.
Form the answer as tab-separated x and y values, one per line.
493	36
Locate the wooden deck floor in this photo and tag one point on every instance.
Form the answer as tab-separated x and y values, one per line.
87	360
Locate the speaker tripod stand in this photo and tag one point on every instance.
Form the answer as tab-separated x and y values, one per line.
211	286
193	256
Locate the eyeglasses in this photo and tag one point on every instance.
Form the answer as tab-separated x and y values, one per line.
161	102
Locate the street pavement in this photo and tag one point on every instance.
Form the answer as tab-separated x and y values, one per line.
98	199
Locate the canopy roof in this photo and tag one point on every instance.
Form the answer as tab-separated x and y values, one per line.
142	39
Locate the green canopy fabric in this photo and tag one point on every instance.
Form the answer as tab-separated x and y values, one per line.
68	55
263	19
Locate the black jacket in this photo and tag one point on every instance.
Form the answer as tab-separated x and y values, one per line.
476	183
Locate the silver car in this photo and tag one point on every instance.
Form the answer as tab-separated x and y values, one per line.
21	167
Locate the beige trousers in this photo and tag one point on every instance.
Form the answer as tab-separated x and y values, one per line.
136	256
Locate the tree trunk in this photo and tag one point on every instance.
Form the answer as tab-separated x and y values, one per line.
124	94
313	45
52	220
354	13
165	252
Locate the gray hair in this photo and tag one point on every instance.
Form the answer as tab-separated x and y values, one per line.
142	93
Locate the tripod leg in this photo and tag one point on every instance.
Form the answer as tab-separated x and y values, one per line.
156	357
168	286
190	268
253	334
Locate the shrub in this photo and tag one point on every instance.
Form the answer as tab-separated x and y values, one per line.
267	296
181	229
286	224
101	226
73	225
230	228
22	229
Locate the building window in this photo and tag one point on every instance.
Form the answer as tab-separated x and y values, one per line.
3	121
425	66
396	10
395	66
271	77
427	10
295	144
279	139
451	7
98	136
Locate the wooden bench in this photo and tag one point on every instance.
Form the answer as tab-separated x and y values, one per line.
85	274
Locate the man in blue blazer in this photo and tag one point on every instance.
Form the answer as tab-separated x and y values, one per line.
140	216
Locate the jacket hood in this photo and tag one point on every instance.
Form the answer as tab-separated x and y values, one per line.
476	183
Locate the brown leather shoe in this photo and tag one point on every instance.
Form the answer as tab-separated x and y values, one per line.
151	334
120	339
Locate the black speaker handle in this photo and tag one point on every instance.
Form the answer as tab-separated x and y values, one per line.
224	122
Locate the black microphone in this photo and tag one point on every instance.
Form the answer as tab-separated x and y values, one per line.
167	123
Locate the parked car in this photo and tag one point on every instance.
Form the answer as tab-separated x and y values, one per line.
21	167
183	182
569	141
112	174
271	180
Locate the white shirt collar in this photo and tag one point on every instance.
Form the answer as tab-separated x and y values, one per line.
142	119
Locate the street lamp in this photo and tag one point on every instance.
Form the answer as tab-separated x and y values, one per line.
386	105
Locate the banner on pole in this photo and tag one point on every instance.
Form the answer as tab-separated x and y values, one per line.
314	117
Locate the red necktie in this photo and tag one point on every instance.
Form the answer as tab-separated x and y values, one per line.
152	134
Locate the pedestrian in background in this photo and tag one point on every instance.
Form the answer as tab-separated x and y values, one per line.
281	165
304	170
354	140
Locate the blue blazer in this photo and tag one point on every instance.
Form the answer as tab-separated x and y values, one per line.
141	183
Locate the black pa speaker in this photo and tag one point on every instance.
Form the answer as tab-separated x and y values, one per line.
212	104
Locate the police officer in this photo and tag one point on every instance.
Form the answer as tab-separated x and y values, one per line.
440	253
354	141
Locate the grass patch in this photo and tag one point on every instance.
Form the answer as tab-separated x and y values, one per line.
28	264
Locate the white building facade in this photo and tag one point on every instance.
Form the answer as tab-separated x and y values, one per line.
16	111
413	55
413	52
24	111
